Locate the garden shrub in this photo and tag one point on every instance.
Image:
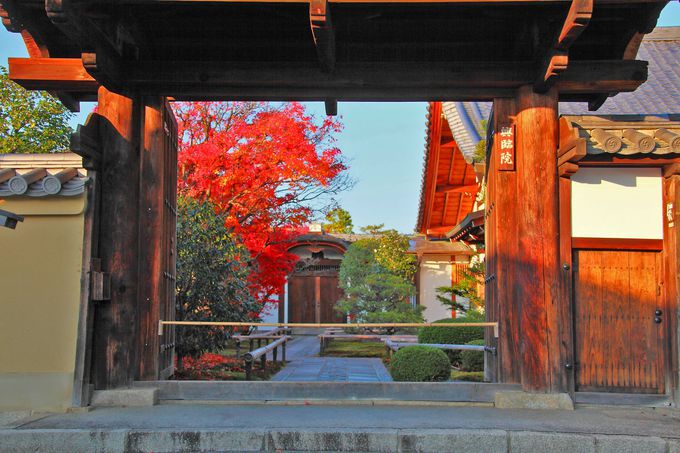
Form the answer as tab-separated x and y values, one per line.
455	335
420	364
472	360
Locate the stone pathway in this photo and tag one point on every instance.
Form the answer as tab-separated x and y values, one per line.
305	366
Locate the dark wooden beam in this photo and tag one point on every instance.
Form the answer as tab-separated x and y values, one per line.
557	60
371	81
323	33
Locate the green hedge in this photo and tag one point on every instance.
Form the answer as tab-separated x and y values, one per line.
453	335
472	360
420	364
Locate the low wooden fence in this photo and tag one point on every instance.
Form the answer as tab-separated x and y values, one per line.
266	336
261	353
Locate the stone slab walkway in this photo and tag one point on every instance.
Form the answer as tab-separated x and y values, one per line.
305	366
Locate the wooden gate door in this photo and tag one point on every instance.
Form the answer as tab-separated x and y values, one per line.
311	299
167	305
619	320
330	293
301	299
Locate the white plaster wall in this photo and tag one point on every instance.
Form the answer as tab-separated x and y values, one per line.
617	203
434	272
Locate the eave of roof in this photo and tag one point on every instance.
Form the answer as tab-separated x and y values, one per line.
449	183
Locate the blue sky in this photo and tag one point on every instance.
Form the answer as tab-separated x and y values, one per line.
384	143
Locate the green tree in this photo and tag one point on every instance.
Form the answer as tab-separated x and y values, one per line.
466	287
373	229
377	281
339	221
211	279
31	121
480	148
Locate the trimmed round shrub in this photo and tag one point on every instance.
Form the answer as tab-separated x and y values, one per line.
420	364
472	360
453	335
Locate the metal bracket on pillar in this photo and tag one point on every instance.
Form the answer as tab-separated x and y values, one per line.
557	58
323	33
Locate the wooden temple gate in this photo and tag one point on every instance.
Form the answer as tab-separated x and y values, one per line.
525	56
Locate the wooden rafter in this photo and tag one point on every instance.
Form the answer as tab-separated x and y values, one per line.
456	188
557	59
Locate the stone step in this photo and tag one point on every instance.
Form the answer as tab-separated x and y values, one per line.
291	391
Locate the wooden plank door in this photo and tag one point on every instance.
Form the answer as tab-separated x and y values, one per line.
169	258
330	293
618	345
301	299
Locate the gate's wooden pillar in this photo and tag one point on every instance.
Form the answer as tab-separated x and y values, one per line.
114	342
151	222
672	272
526	246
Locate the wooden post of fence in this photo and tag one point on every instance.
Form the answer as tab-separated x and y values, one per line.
250	348
283	352
263	363
249	370
238	349
275	353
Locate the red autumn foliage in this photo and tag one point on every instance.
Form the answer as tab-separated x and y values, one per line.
268	167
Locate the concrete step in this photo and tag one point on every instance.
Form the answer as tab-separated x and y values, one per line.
300	391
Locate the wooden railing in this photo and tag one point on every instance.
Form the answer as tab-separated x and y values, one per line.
261	353
374	325
265	336
395	346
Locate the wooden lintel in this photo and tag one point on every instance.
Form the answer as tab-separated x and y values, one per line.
323	33
407	81
52	74
448	188
557	59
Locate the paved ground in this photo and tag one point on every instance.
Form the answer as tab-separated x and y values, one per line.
305	366
219	427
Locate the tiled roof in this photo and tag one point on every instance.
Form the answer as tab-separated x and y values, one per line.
627	135
421	246
465	120
660	94
41	175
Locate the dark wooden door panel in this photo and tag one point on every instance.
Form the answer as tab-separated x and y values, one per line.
618	345
301	299
330	294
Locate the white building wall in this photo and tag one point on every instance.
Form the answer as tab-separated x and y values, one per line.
435	271
617	203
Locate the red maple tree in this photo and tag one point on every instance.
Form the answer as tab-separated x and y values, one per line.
268	167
